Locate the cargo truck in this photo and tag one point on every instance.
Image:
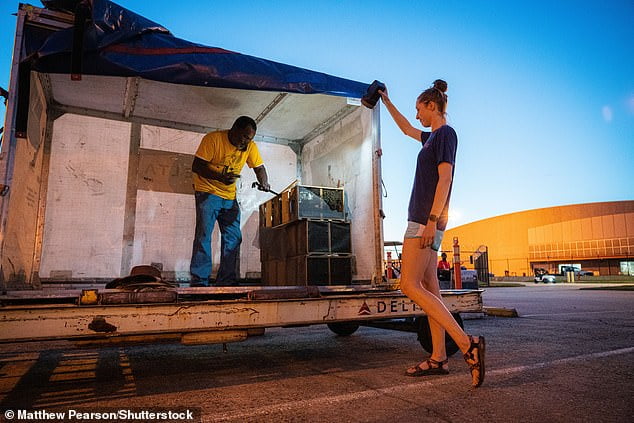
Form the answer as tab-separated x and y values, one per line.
105	111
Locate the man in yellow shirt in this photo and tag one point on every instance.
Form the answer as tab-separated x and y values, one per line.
218	162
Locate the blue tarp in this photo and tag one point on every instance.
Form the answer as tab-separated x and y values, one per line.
118	42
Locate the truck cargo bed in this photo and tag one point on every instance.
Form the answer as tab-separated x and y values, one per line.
201	315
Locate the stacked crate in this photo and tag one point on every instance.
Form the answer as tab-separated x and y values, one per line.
305	238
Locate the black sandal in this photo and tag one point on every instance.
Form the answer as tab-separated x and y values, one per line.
433	368
475	360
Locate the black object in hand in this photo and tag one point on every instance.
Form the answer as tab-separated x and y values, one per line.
371	97
262	188
228	177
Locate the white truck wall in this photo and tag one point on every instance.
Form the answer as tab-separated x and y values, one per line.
85	214
19	246
83	227
342	156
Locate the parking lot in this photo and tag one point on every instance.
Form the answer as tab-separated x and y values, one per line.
568	357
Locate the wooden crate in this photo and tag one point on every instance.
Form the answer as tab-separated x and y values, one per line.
311	202
274	273
308	270
319	237
285	198
305	237
266	214
277	210
303	202
321	270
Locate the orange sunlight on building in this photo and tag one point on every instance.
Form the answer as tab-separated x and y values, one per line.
595	237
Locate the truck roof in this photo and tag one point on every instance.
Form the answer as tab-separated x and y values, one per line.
119	42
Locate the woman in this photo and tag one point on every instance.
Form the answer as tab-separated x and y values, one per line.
427	219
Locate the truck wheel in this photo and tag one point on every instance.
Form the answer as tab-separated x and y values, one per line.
424	335
343	328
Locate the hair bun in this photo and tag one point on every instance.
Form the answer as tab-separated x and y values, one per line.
440	85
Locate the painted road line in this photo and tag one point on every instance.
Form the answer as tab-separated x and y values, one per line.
576	312
373	393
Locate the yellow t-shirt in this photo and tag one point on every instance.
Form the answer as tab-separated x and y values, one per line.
216	149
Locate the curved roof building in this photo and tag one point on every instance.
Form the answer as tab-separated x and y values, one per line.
597	237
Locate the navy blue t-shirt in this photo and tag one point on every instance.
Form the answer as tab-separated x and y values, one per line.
439	146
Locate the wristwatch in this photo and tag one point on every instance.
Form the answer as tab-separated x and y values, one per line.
433	218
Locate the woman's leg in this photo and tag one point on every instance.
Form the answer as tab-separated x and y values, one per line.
430	283
415	261
438	356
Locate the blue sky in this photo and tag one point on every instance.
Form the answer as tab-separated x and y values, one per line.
541	93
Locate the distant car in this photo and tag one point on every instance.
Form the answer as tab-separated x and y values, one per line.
468	275
542	275
546	278
576	270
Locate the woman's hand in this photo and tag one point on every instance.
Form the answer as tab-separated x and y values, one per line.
384	96
428	235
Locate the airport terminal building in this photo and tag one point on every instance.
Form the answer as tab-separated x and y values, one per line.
597	237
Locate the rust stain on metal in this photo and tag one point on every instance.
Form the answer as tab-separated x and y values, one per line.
99	324
178	310
250	310
327	315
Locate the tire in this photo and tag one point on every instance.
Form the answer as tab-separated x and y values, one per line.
343	328
424	335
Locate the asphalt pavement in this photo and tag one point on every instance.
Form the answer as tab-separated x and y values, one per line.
569	357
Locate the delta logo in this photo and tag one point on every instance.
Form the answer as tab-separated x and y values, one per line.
364	310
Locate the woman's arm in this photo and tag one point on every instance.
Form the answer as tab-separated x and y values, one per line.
400	120
440	198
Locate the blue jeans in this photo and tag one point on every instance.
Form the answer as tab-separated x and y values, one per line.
209	209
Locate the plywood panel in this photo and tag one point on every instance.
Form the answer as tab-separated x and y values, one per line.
86	197
19	238
92	92
164	231
167	139
309	112
165	171
212	107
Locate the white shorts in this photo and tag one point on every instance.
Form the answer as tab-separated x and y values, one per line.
415	230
